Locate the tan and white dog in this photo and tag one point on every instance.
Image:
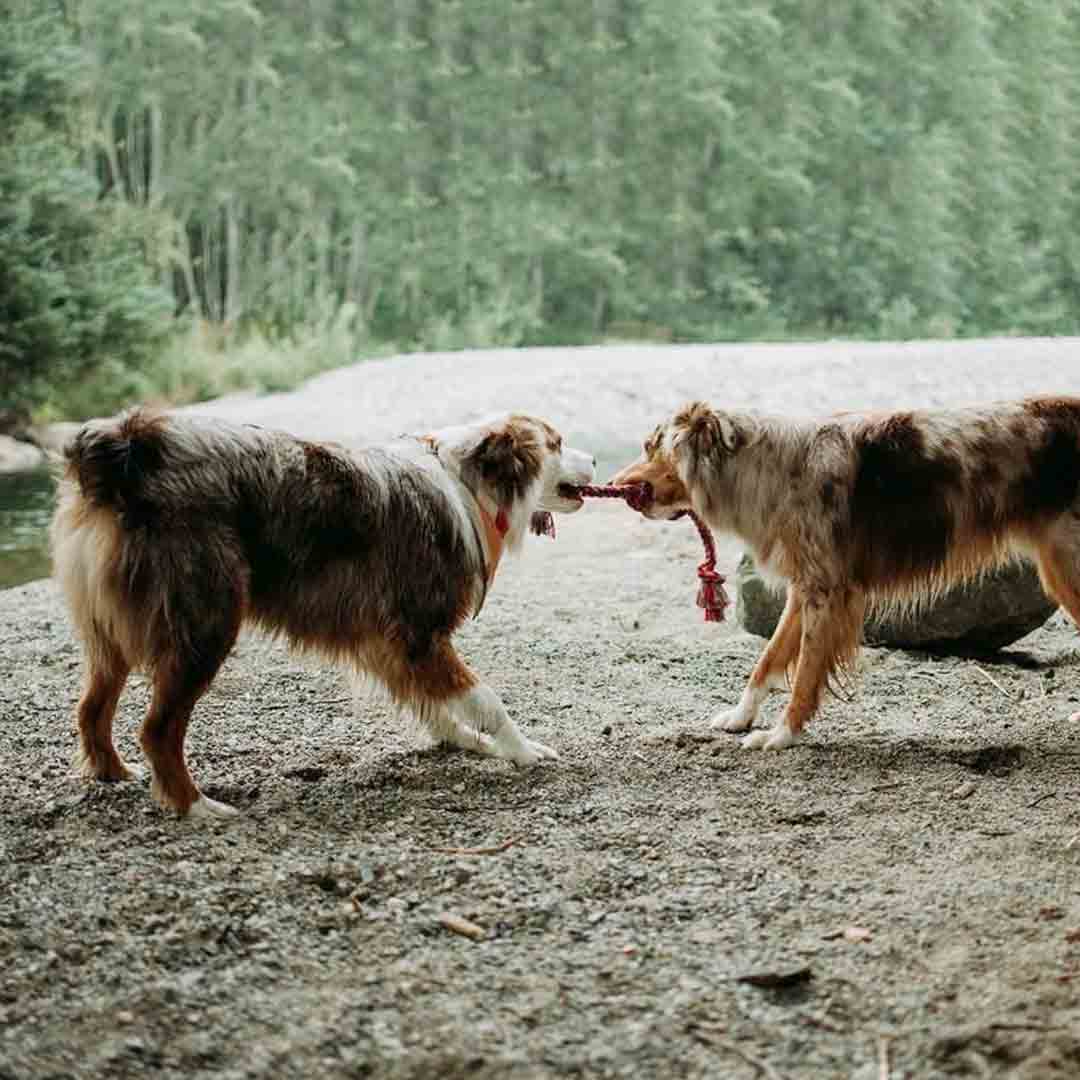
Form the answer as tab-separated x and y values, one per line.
171	532
869	511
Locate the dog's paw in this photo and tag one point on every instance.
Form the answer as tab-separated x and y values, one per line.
777	738
110	772
204	809
528	753
466	738
734	719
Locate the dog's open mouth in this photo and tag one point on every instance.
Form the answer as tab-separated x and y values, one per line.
570	491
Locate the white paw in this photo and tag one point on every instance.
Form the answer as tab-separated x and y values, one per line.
527	753
204	809
776	738
731	720
545	751
467	738
482	744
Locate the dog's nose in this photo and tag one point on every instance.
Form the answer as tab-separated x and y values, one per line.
594	463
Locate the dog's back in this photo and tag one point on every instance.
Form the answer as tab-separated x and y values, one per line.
175	517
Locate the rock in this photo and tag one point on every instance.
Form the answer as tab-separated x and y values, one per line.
18	456
979	616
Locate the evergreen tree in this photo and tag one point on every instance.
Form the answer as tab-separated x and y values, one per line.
74	288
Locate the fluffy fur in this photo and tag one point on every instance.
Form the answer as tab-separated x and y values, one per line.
171	532
870	510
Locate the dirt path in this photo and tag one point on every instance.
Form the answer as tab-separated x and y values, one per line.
907	868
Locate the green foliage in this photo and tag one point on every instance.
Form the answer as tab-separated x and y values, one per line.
197	364
74	287
516	172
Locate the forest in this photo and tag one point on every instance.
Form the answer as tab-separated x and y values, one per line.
438	174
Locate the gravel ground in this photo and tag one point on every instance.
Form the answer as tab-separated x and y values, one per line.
895	897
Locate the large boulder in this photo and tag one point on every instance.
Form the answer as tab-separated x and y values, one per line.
16	456
979	616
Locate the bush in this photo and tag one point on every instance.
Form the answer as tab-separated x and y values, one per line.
75	291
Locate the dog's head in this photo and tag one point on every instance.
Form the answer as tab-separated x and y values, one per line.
695	441
515	464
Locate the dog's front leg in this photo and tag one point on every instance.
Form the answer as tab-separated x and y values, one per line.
831	622
480	710
770	672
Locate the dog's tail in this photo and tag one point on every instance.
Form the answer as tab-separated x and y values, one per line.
112	459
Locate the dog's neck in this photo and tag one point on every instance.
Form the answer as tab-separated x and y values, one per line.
496	527
495	524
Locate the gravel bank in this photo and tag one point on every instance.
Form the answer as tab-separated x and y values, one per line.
906	871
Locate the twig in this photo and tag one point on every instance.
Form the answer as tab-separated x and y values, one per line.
986	674
706	1036
1072	840
1003	1026
807	817
495	849
306	704
883	1057
1041	799
926	675
459	925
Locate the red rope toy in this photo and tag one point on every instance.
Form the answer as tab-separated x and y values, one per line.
711	595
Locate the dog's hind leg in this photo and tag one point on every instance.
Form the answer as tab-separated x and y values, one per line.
1058	561
107	671
831	625
770	672
181	677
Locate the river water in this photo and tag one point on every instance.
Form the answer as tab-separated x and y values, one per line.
26	503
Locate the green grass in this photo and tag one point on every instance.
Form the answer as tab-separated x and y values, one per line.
202	362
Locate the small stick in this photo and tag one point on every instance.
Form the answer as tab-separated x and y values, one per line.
1072	840
1002	1026
877	787
291	704
457	924
883	1057
494	849
986	674
925	675
1041	799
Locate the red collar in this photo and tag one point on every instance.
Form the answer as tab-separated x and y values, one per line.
495	529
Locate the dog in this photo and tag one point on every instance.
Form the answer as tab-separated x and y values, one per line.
870	511
172	531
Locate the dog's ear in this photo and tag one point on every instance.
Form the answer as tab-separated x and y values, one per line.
705	432
506	460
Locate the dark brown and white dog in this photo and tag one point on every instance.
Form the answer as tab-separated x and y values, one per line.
870	511
172	531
